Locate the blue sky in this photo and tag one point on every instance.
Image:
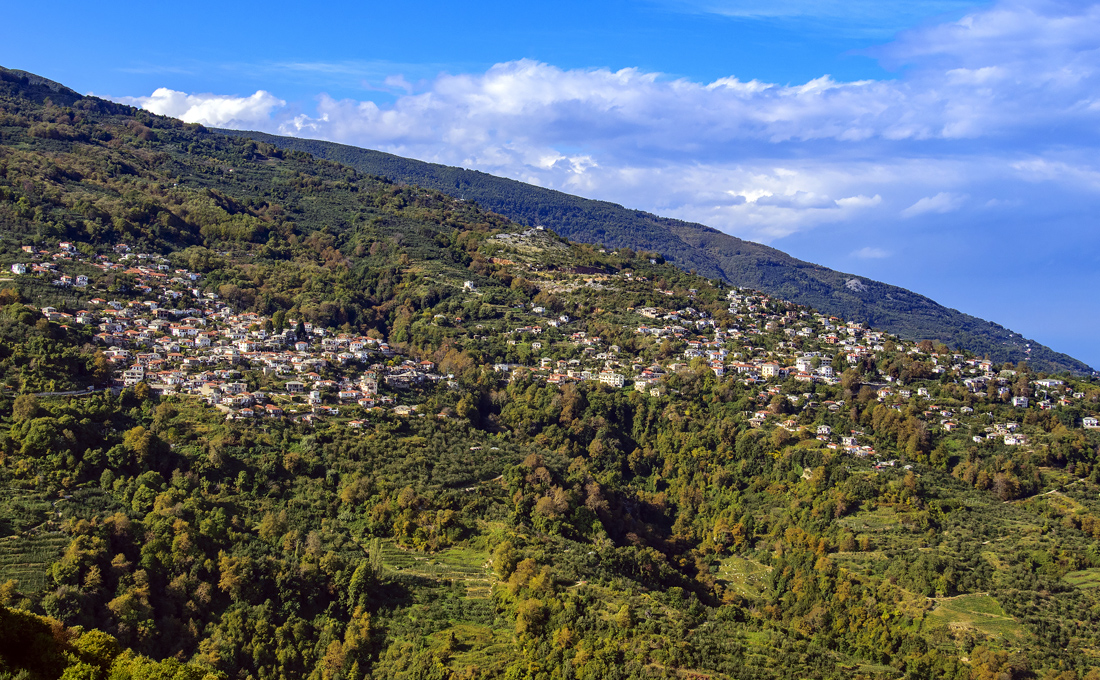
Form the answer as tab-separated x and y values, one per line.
334	47
946	146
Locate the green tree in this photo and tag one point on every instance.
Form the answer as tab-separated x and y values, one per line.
25	407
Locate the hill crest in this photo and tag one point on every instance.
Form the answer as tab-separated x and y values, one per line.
702	249
692	247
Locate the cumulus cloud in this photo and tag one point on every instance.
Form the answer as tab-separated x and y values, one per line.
798	199
999	94
210	109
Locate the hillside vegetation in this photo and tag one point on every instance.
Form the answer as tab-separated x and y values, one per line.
701	249
264	416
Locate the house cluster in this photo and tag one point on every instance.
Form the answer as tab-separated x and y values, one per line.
727	349
51	264
177	338
205	350
203	347
764	342
152	275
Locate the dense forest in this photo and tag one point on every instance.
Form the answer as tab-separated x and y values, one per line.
695	247
501	525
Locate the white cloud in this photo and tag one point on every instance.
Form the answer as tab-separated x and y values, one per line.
859	201
1047	35
871	253
398	82
853	17
798	199
988	102
943	202
1055	170
210	109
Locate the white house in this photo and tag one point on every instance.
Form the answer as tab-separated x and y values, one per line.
1050	383
612	379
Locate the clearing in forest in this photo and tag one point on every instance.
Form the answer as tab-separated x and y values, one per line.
980	612
459	564
744	576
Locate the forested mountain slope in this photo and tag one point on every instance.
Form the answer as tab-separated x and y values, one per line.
344	429
702	249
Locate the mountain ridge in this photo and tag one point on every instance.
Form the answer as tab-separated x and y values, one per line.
355	430
690	246
706	250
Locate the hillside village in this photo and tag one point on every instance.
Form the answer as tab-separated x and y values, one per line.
311	421
169	334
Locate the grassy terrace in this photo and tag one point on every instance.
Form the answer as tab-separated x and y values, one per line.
26	560
29	542
466	566
743	576
1087	578
978	612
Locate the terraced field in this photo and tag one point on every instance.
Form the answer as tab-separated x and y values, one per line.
877	520
1088	578
29	543
26	559
480	646
462	565
980	612
743	576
